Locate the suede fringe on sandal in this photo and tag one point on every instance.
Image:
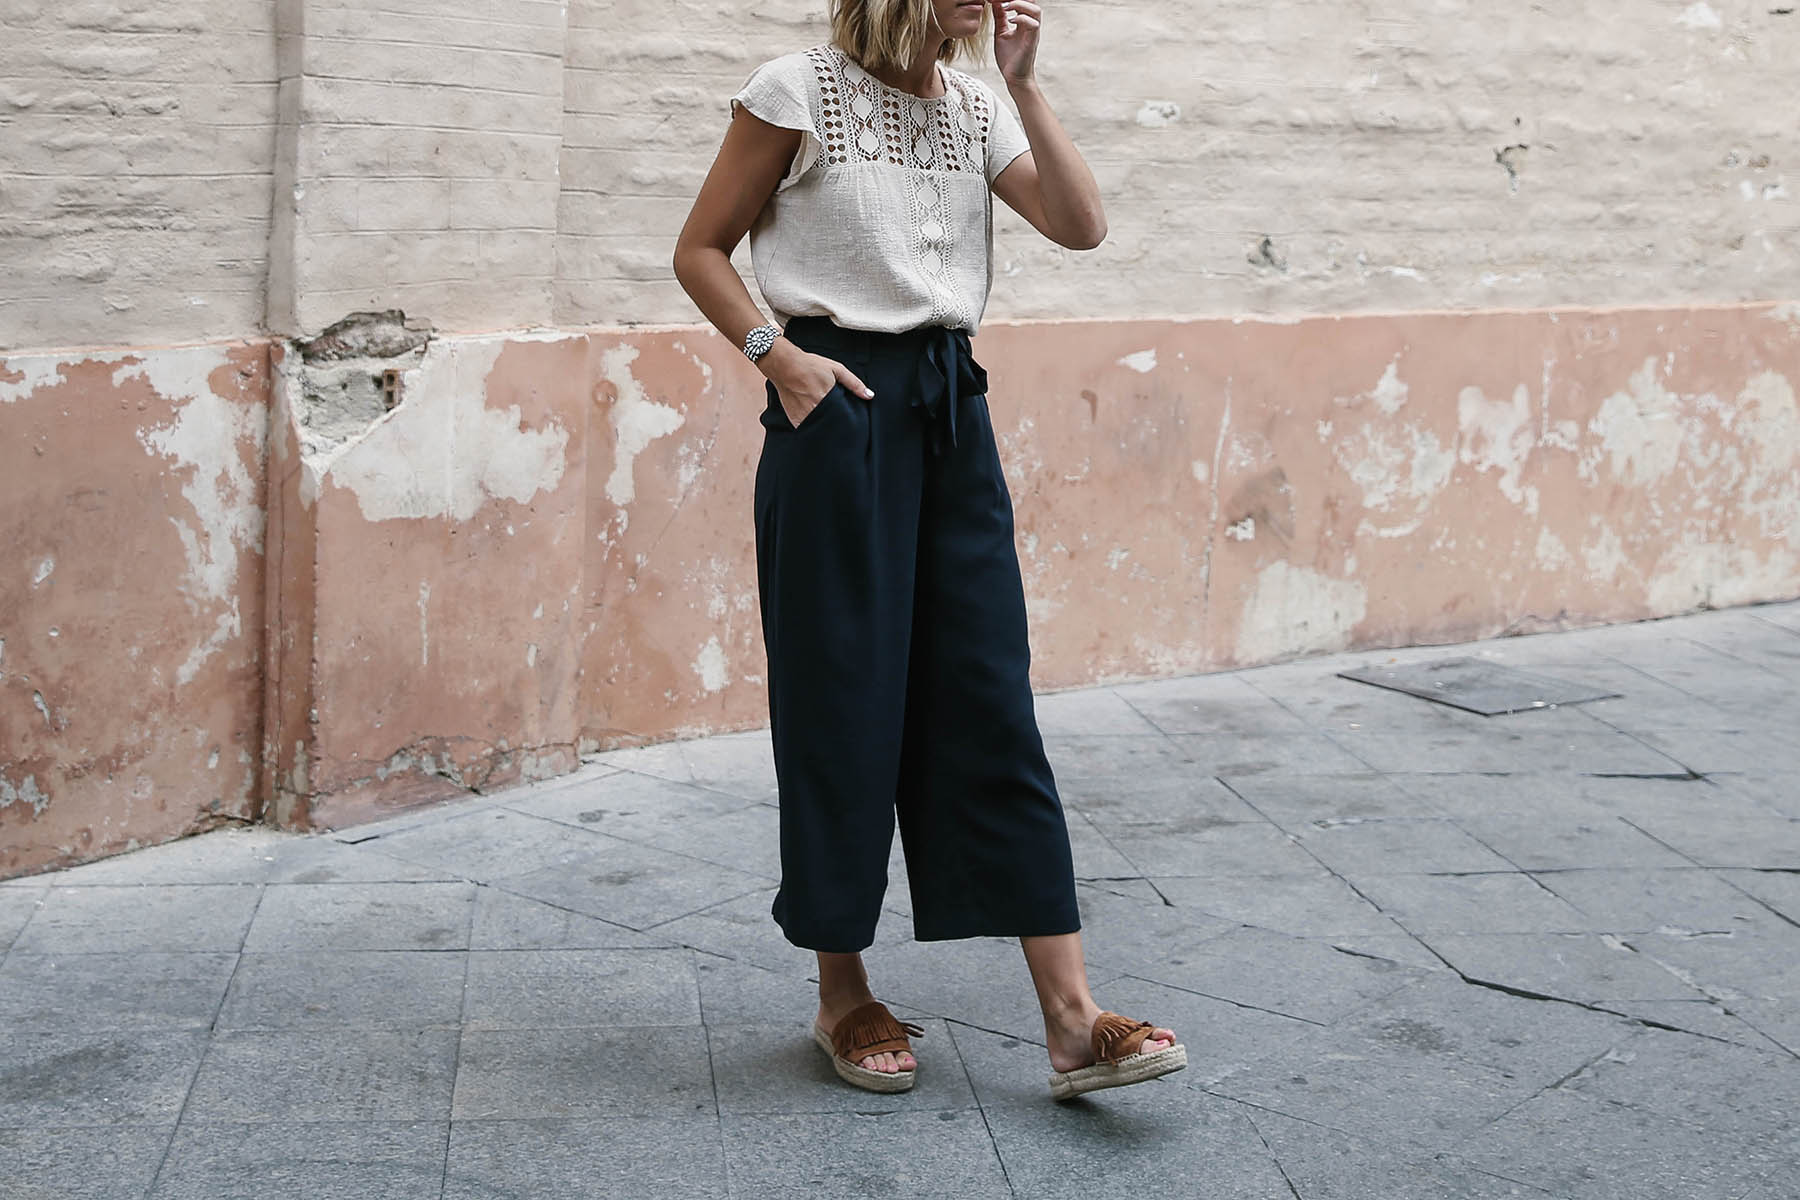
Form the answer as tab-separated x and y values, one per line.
868	1029
1119	1058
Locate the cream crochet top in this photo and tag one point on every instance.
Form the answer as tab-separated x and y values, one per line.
884	220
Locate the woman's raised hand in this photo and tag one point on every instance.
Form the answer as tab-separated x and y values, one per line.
1016	24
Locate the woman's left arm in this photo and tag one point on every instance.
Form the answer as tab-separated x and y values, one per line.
1050	184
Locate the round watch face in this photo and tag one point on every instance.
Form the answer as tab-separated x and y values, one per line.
758	341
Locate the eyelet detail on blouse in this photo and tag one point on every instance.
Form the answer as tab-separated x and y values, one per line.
863	120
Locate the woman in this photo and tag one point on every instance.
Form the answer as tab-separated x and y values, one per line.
892	608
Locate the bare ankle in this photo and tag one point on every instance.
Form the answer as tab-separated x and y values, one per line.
1073	999
1071	1010
842	977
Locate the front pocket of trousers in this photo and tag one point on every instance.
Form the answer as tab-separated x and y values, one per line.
774	415
814	413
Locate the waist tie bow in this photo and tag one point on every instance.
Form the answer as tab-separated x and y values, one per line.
947	373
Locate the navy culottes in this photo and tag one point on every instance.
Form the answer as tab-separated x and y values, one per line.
894	619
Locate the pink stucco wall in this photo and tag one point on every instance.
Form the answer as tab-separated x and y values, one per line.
546	547
131	501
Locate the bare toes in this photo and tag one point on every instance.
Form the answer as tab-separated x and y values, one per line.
887	1063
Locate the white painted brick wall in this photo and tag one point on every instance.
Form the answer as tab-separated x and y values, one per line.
516	162
135	155
646	105
425	163
1360	137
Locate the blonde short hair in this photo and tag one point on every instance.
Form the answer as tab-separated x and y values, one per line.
890	33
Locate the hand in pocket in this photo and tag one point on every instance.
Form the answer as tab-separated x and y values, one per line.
805	383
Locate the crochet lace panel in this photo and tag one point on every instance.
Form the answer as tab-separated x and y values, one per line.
862	121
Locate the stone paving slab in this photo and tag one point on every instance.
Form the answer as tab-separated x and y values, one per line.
363	916
1324	1163
1413	952
1090	711
244	855
1315	905
74	1163
1296	977
17	906
656	1158
631	883
342	1074
329	1160
778	1069
1572	836
506	921
1491	902
77	920
344	989
146	990
632	806
1572	1146
944	1155
1598	969
549	989
117	1077
1184	1143
614	1071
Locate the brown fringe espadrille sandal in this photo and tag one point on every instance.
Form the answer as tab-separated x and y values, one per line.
868	1029
1119	1058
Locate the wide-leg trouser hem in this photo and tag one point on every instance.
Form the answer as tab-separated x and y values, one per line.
993	929
997	929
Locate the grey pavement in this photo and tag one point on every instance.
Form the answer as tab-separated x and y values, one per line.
1412	951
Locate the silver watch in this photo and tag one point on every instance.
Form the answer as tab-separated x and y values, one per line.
759	341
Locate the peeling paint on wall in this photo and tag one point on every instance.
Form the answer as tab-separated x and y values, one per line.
1695	572
1496	435
131	485
1285	491
1399	467
1604	554
205	441
1642	429
443	452
1389	392
711	666
1296	610
637	421
227	626
1550	553
24	792
23	375
1770	488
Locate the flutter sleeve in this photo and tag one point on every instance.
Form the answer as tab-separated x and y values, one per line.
1006	138
780	92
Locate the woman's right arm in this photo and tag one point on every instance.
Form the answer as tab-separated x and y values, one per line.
752	160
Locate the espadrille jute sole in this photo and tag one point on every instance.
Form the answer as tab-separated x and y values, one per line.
1133	1068
861	1076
